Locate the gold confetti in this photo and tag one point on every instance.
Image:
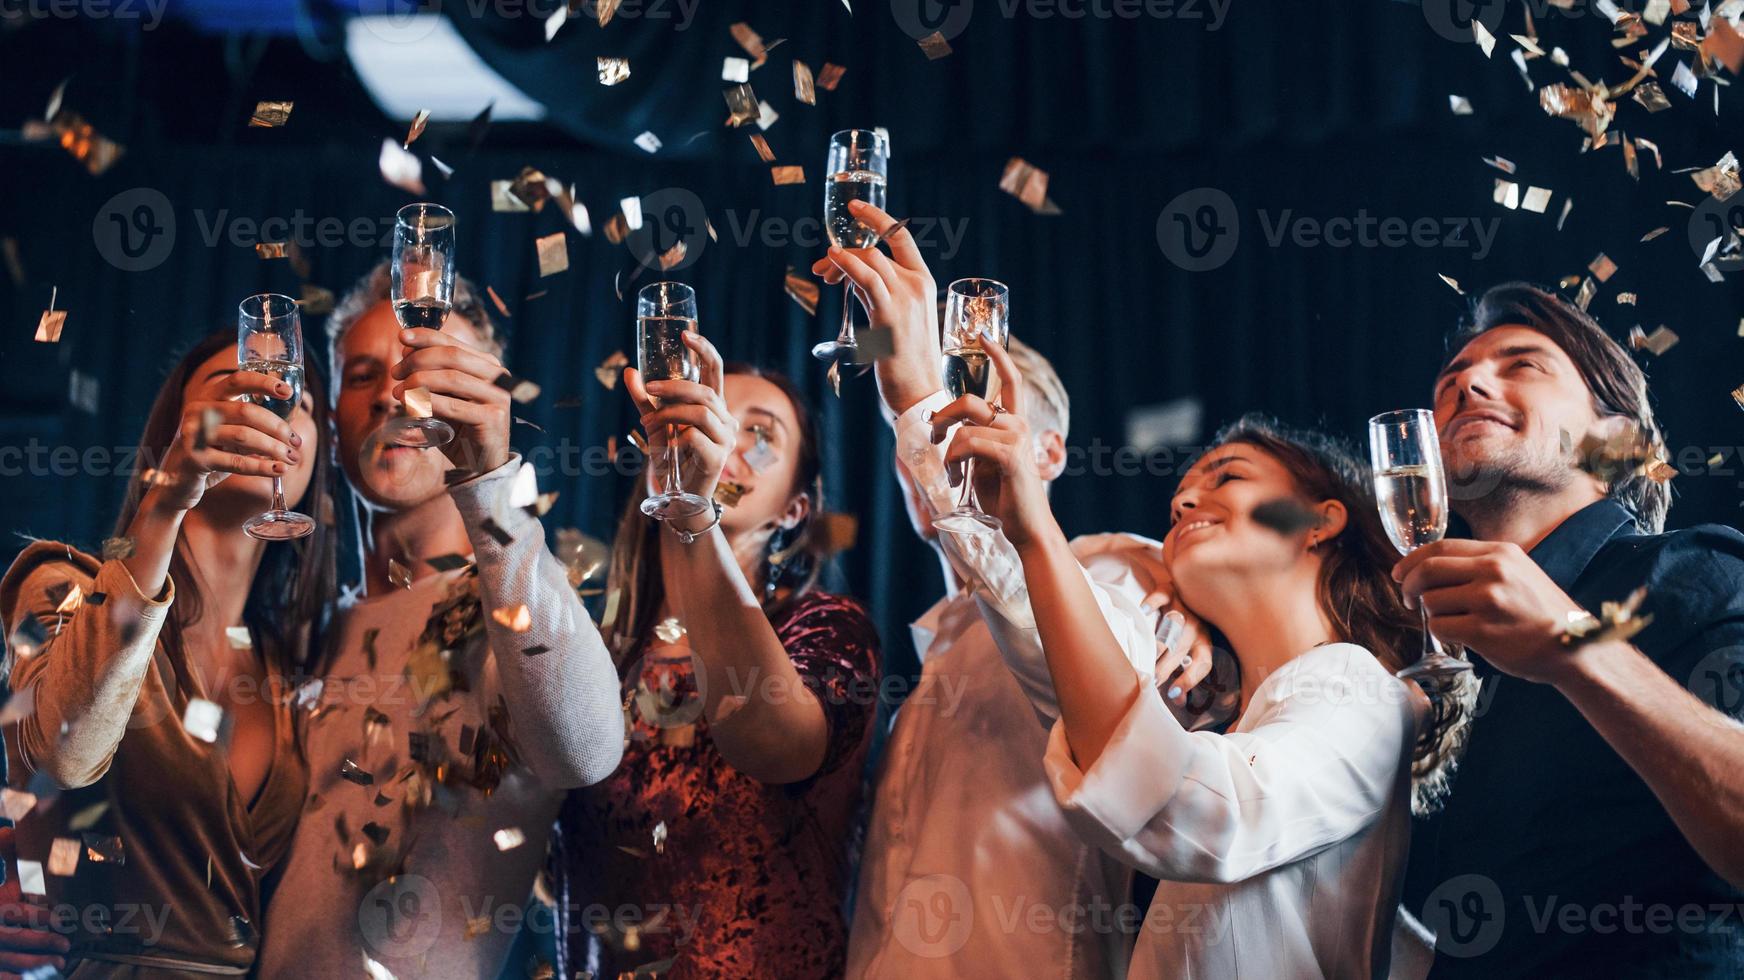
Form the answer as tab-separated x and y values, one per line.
1451	282
1651	97
520	390
417	402
48	329
1738	392
1501	163
660	837
114	548
316	300
617	228
401	168
509	838
803	89
417	128
1720	180
238	637
477	927
752	44
670	630
517	619
649	142
269	250
1626	299
728	493
202	719
82	141
1715	459
735	70
639	442
553	254
837	532
673	255
741	105
1616	621
787	175
935	46
1507	194
613	70
1724	44
268	115
1602	267
829	76
1658	342
802	291
63	857
1655	233
611	369
1588	289
763	151
497	301
1537	199
399	575
1567	206
1029	184
605	9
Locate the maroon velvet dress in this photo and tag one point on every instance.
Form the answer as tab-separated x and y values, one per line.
682	866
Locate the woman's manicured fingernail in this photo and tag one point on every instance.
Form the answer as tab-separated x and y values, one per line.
296	440
1174	692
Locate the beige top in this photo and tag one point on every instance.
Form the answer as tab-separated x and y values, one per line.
167	878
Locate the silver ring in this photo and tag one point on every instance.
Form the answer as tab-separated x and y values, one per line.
999	410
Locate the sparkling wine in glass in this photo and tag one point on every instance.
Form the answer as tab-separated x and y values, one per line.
422	294
976	314
1411	490
269	340
665	311
858	169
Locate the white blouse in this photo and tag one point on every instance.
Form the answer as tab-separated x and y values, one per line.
1280	845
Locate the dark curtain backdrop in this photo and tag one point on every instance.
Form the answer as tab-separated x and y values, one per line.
1314	111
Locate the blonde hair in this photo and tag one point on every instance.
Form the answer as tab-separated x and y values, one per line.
1048	407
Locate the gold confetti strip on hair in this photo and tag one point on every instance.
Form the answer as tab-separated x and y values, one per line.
516	618
417	128
269	115
611	369
803	84
612	70
787	175
829	76
553	254
399	575
934	46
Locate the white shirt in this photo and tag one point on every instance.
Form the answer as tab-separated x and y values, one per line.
454	911
1281	845
970	869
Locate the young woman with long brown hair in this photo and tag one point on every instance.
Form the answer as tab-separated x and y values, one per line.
176	818
749	695
1280	843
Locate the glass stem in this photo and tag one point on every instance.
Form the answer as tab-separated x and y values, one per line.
1431	648
846	334
672	488
278	503
966	500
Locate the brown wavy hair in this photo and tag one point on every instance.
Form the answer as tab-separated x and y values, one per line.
295	583
793	559
1356	590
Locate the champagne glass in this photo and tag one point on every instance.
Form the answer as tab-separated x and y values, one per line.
858	170
422	292
269	340
1411	489
976	313
665	311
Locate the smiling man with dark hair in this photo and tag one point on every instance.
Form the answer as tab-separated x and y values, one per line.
1597	822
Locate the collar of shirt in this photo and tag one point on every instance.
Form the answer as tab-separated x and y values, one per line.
1567	551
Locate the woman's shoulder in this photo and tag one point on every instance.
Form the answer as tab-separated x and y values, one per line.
45	572
817	610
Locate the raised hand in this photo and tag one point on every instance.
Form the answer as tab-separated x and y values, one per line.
1007	476
462	382
899	295
221	434
706	432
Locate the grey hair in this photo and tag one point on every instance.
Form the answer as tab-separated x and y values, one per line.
375	287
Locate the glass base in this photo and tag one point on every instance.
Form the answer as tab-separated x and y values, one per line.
966	521
419	433
1433	666
835	350
278	525
666	506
